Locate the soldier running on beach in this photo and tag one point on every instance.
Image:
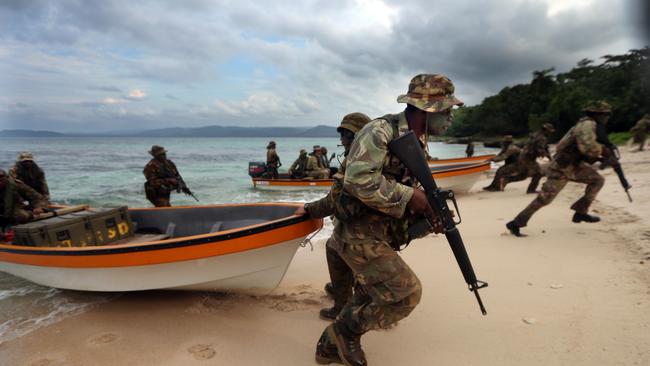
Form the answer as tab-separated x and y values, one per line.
640	131
527	166
510	153
27	171
341	275
575	153
162	177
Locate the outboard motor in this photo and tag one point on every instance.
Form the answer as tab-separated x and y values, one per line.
256	168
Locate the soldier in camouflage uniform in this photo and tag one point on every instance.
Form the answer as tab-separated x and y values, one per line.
574	153
341	275
315	167
510	153
527	166
374	208
27	171
13	195
272	161
469	150
640	131
162	177
298	169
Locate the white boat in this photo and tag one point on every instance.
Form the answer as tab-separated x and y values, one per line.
243	248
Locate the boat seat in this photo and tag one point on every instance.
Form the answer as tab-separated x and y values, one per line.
216	226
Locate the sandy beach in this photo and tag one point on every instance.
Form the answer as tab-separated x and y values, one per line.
568	294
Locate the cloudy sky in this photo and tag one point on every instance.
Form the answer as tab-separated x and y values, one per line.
71	65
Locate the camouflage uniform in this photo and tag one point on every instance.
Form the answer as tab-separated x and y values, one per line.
640	131
341	276
12	198
527	166
469	150
299	167
272	161
510	153
32	175
158	173
315	167
574	153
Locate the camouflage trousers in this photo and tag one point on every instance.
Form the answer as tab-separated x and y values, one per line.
639	138
521	170
499	180
160	201
558	178
386	290
319	174
19	216
341	276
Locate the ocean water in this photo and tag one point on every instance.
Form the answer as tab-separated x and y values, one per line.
107	171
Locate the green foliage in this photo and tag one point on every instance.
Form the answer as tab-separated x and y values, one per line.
621	80
619	138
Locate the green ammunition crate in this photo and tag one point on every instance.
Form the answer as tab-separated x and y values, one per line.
108	224
60	231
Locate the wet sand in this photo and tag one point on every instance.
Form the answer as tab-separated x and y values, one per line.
569	294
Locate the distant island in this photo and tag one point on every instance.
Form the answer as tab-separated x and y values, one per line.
206	131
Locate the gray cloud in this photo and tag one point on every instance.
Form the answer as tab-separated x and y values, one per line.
241	62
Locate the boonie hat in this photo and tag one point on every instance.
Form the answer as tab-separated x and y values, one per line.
353	122
548	127
597	106
430	93
270	145
156	149
25	156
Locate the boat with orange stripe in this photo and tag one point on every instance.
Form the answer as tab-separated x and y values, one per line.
239	247
463	160
457	176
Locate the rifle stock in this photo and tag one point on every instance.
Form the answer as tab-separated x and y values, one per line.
407	149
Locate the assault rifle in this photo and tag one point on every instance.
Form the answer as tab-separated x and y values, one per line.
613	159
182	187
407	149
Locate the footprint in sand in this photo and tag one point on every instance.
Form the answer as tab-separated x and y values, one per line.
46	362
202	351
103	339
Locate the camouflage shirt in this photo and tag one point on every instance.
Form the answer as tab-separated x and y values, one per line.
34	177
509	154
369	166
158	172
299	166
15	193
272	158
579	143
536	146
314	163
325	206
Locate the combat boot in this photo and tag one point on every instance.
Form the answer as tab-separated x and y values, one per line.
329	313
514	229
348	345
326	351
579	217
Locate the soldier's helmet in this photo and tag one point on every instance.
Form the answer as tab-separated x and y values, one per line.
270	145
597	106
430	93
548	127
353	122
25	156
157	150
507	138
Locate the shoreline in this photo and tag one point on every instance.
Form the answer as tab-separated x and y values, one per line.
567	294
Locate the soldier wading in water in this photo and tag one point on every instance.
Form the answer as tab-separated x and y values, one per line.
374	208
575	153
162	177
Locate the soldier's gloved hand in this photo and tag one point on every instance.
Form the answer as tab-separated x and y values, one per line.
172	181
437	225
419	203
300	211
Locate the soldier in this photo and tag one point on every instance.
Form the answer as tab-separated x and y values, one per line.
527	166
272	161
13	195
315	168
341	275
374	207
27	171
469	150
298	169
510	153
640	131
324	158
571	162
162	177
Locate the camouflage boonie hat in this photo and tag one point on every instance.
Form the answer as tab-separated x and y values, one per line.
156	150
303	152
270	145
597	106
25	156
430	93
548	127
353	122
507	138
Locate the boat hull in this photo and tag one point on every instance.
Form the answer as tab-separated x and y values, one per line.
461	161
